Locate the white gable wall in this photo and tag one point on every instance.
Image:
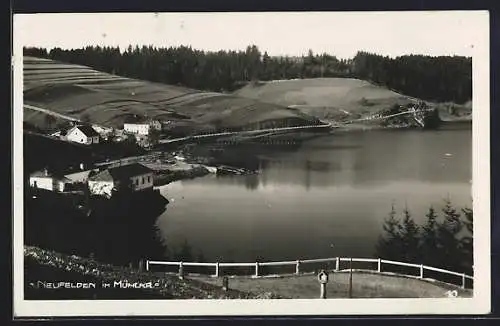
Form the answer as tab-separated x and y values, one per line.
47	183
76	135
102	188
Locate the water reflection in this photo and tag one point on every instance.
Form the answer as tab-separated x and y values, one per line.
330	190
367	159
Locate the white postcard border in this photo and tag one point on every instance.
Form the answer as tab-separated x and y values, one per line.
479	304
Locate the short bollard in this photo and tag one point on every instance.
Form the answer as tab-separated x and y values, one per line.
323	280
225	283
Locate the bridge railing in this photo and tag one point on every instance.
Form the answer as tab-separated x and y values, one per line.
297	267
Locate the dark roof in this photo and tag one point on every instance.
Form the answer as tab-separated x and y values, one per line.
88	131
121	172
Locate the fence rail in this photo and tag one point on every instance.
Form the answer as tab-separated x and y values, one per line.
259	266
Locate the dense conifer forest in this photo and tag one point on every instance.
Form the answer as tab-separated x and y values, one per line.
444	241
439	79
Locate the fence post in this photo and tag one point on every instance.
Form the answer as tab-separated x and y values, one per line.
463	281
421	271
217	269
350	277
379	266
337	264
181	271
257	268
297	267
147	265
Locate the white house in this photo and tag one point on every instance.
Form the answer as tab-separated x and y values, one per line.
142	127
83	135
44	180
137	128
136	176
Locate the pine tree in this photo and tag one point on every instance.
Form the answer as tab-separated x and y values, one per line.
429	239
389	244
467	240
449	243
410	237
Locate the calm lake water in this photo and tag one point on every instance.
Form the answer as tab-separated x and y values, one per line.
328	198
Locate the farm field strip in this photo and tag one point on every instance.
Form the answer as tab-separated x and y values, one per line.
73	91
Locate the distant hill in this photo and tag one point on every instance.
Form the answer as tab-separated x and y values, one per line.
327	98
101	98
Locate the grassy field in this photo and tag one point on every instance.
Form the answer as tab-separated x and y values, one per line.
330	98
105	99
365	285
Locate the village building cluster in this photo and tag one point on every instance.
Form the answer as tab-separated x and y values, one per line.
100	181
143	130
134	177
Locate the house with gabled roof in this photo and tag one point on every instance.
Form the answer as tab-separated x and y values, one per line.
45	180
83	134
135	177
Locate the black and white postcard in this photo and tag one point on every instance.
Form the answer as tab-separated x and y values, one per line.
258	163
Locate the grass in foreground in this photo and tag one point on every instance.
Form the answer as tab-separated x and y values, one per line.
364	285
48	266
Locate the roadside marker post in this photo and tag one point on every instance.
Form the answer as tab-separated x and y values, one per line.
323	280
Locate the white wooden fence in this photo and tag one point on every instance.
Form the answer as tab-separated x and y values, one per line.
218	267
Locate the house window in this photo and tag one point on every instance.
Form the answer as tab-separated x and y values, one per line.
142	180
149	178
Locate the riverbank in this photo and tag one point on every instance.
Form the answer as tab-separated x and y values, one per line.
177	171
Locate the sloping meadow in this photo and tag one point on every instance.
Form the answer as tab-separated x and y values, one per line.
86	94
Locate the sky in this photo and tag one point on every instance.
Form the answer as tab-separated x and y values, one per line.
338	33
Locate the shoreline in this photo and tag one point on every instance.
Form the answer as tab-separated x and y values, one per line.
187	170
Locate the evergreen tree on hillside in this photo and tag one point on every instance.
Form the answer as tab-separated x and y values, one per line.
410	234
389	244
429	242
467	240
449	242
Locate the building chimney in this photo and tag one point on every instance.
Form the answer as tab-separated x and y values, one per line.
82	166
46	172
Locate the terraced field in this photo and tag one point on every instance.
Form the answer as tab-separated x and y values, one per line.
105	99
